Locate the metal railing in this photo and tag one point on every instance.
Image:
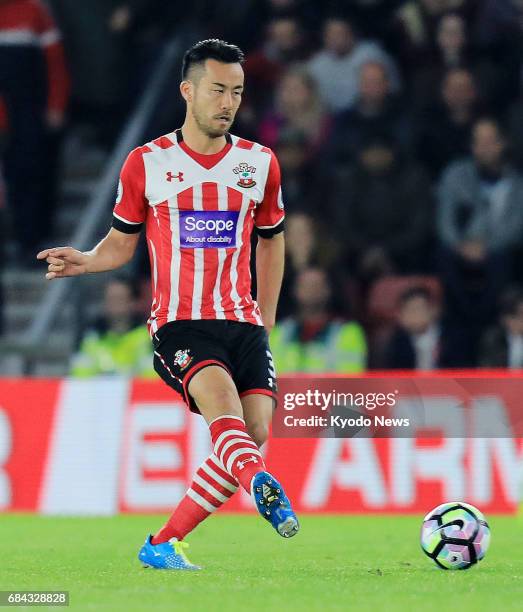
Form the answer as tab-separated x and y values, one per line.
32	343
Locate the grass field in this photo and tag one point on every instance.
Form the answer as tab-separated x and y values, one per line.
335	563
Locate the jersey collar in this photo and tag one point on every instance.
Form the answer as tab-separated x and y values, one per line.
208	162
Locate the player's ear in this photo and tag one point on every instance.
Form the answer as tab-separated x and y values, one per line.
187	90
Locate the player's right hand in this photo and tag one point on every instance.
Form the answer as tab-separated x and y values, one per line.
64	261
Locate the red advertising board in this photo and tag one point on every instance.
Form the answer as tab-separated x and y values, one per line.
110	445
27	409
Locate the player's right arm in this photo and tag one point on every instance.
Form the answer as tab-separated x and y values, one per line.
118	247
114	251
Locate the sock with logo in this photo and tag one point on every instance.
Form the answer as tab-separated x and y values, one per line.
211	488
235	448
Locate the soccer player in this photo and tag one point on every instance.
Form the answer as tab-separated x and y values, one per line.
200	192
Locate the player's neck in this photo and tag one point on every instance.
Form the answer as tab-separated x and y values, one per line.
200	142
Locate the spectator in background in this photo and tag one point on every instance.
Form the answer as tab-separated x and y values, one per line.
296	106
313	340
515	129
444	132
246	19
118	341
99	37
376	112
336	67
480	222
419	340
414	29
381	212
305	247
300	180
499	34
502	345
284	45
454	49
34	86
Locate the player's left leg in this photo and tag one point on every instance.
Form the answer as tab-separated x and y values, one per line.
266	491
257	412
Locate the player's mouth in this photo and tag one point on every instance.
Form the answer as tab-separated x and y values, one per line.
224	118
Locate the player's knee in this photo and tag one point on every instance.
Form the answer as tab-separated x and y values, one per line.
224	398
259	432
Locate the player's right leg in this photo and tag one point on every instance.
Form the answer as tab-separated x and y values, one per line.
181	350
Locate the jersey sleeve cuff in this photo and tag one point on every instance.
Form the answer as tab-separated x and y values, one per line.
125	226
269	232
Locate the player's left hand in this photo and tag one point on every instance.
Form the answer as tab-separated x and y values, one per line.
268	323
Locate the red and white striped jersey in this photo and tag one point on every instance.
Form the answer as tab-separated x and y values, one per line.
199	212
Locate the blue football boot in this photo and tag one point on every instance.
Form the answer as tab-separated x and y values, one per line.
273	504
168	555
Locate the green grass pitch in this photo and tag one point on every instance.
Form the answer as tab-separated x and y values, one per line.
335	563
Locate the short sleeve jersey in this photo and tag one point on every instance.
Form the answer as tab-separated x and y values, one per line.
199	212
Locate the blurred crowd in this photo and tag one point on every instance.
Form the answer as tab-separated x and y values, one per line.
398	125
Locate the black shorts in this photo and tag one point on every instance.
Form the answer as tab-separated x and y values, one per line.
183	348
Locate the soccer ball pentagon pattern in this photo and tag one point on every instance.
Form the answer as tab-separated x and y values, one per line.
455	535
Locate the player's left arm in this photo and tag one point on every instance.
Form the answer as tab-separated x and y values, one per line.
270	255
270	252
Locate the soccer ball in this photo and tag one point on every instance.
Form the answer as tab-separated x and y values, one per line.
455	535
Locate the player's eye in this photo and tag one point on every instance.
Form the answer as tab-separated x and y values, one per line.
218	90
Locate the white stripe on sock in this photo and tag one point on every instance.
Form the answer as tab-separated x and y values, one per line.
230	432
201	501
234	441
220	497
219	479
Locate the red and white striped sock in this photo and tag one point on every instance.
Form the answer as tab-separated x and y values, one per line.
236	449
211	488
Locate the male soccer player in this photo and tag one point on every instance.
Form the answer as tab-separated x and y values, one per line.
200	192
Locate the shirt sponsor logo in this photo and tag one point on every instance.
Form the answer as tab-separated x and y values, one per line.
208	229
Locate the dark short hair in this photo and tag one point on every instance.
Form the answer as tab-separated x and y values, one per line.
419	291
212	48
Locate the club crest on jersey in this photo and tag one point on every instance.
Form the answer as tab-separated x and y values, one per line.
245	173
182	358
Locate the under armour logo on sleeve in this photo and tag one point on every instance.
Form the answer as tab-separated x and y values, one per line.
170	177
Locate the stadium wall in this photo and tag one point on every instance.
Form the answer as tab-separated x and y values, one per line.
106	446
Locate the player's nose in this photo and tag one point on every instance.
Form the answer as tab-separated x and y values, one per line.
226	101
